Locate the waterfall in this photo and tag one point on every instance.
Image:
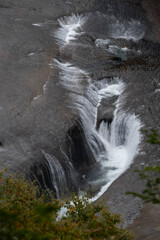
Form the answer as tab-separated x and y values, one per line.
122	139
52	174
71	28
129	30
114	141
111	134
57	174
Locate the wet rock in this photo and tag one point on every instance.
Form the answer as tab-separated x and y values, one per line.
34	113
80	154
106	110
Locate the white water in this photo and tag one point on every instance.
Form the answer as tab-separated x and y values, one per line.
70	28
57	173
38	24
113	146
122	146
129	30
119	52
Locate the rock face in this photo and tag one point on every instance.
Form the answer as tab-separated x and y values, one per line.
146	226
33	109
39	134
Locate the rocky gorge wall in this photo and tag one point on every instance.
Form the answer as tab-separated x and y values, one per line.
37	127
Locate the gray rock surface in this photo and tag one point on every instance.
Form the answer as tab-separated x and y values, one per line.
34	113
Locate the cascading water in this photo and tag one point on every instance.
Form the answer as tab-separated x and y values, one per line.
122	138
52	174
114	142
71	27
112	135
58	177
131	30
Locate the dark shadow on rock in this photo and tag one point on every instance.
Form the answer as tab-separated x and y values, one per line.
80	153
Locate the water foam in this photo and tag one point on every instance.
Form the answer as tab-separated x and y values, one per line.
112	135
70	28
113	145
122	142
129	30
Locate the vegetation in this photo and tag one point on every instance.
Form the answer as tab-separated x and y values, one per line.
151	193
25	214
150	174
28	214
152	136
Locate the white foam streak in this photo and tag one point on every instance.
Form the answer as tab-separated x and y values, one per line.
57	173
38	24
129	30
70	28
31	54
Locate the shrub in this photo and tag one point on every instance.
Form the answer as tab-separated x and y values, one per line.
151	193
25	214
150	174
